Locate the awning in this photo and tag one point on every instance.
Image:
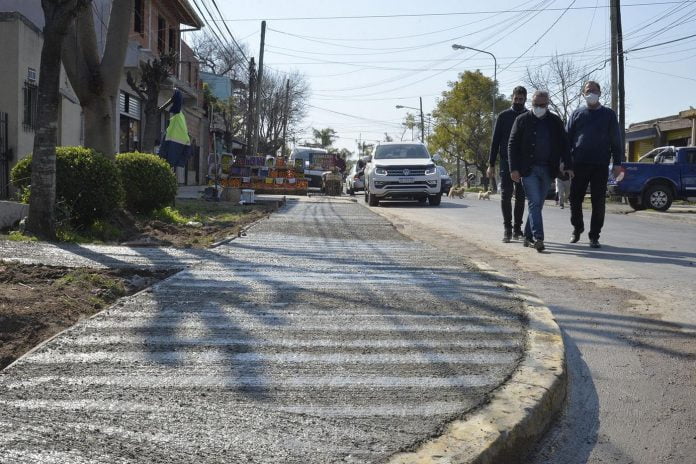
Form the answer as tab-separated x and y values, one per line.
642	134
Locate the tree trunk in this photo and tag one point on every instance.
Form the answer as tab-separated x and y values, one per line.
96	79
152	130
99	124
42	215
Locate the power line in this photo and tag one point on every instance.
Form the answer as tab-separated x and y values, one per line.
230	32
451	13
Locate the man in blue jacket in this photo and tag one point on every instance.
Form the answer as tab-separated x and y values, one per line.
595	140
537	151
499	145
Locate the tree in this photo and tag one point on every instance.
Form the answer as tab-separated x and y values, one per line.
463	120
276	109
324	137
409	123
59	15
153	75
564	79
96	77
214	59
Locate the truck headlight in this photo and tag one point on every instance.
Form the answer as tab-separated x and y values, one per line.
380	172
430	170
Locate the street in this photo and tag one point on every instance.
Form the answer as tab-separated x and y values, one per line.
626	311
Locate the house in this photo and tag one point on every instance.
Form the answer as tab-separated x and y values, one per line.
156	27
641	137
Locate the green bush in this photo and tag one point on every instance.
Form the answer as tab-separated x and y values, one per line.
88	186
148	181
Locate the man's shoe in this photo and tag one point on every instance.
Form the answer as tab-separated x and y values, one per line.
539	246
517	234
528	242
507	235
595	244
575	236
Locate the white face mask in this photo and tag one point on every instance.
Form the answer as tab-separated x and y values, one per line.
539	111
592	99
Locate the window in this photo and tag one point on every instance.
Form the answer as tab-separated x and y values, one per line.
161	34
691	156
31	75
139	16
172	40
31	97
401	151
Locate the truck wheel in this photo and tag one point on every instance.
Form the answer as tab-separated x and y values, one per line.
635	203
434	200
658	197
422	200
351	191
372	200
365	194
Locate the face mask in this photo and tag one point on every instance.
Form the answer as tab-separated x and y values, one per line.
592	99
539	111
519	107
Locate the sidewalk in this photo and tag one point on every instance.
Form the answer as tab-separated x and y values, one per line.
322	336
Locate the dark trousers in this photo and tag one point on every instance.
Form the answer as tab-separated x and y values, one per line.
596	175
508	188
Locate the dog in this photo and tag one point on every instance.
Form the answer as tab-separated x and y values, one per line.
459	192
484	195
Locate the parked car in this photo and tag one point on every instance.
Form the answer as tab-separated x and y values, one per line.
354	182
670	176
402	171
445	180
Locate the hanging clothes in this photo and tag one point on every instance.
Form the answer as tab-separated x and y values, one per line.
176	145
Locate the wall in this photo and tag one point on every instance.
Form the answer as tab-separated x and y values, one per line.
9	99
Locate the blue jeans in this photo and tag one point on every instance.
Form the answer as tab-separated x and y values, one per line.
536	184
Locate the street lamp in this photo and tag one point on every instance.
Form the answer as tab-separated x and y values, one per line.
495	72
421	116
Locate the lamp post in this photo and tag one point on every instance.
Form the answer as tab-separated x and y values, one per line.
421	116
495	73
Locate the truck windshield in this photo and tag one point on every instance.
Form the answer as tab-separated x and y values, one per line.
398	151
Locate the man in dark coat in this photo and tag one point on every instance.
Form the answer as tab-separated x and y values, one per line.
499	146
537	151
595	140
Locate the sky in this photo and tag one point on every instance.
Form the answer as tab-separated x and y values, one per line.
359	68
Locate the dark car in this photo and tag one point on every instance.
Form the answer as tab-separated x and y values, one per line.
445	180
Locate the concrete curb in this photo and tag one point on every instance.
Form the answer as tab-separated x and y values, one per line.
520	410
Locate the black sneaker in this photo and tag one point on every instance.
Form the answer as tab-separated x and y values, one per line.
575	236
595	244
517	234
507	235
528	242
539	246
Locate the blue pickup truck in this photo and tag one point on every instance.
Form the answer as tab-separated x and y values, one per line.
661	176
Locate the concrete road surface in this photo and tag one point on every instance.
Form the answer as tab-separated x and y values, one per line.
322	336
628	313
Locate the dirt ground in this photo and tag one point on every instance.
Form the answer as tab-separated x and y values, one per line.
37	301
209	223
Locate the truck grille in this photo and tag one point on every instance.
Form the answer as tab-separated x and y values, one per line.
406	171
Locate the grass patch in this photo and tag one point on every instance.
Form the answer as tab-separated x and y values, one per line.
106	288
170	215
17	236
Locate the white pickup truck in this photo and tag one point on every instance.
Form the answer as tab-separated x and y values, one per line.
402	171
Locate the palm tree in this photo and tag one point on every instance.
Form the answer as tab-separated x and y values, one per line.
325	137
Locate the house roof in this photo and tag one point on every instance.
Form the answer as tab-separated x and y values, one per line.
667	123
187	15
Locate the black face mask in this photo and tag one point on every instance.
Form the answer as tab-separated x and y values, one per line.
519	107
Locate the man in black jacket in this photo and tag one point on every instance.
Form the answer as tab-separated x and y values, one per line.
595	140
499	146
537	151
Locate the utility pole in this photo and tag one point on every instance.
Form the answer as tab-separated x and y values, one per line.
620	57
248	139
422	121
614	68
285	116
259	82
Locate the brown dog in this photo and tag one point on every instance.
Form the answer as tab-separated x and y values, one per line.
484	195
